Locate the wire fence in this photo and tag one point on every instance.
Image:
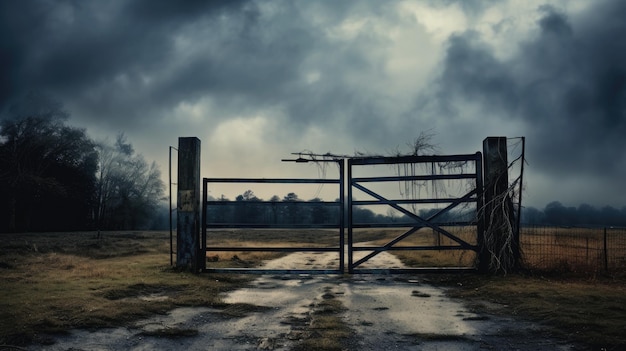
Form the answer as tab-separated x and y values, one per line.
574	249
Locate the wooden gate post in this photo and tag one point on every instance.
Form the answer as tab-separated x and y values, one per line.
188	208
499	243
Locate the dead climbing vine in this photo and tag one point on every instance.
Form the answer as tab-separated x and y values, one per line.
500	241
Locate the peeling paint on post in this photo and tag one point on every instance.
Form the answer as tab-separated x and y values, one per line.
188	208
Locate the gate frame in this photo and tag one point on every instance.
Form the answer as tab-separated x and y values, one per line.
340	226
475	195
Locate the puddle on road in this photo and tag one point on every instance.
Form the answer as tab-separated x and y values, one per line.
398	311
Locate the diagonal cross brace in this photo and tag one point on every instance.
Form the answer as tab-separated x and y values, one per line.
423	222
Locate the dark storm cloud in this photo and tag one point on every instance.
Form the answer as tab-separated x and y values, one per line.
84	49
567	84
124	62
320	71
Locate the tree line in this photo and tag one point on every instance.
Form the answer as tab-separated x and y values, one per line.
249	209
555	213
53	177
289	210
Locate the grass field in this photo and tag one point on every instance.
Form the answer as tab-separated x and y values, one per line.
53	282
56	281
580	250
591	311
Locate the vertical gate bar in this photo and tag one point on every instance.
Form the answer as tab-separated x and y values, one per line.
170	210
521	188
342	216
480	205
349	208
204	223
606	253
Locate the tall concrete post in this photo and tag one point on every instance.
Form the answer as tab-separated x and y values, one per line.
501	237
188	208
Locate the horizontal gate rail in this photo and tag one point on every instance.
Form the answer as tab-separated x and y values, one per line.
360	161
405	248
271	271
271	226
272	180
416	201
336	222
272	249
413	178
410	224
417	223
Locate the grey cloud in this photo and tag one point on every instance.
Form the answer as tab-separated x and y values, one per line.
473	72
125	63
567	84
128	65
554	21
68	48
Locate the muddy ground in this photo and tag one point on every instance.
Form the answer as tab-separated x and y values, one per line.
383	312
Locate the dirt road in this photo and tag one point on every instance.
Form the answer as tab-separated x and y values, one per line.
382	312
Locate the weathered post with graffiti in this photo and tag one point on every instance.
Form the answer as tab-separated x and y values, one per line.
499	243
188	237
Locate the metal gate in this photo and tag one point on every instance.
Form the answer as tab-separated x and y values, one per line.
359	254
333	214
423	170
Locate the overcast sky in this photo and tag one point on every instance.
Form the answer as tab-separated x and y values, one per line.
256	80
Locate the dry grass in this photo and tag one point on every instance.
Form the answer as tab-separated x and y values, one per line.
589	311
54	282
580	250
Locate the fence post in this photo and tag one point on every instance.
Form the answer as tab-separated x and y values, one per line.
498	209
188	218
606	253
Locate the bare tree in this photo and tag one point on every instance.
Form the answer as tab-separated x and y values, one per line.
128	188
